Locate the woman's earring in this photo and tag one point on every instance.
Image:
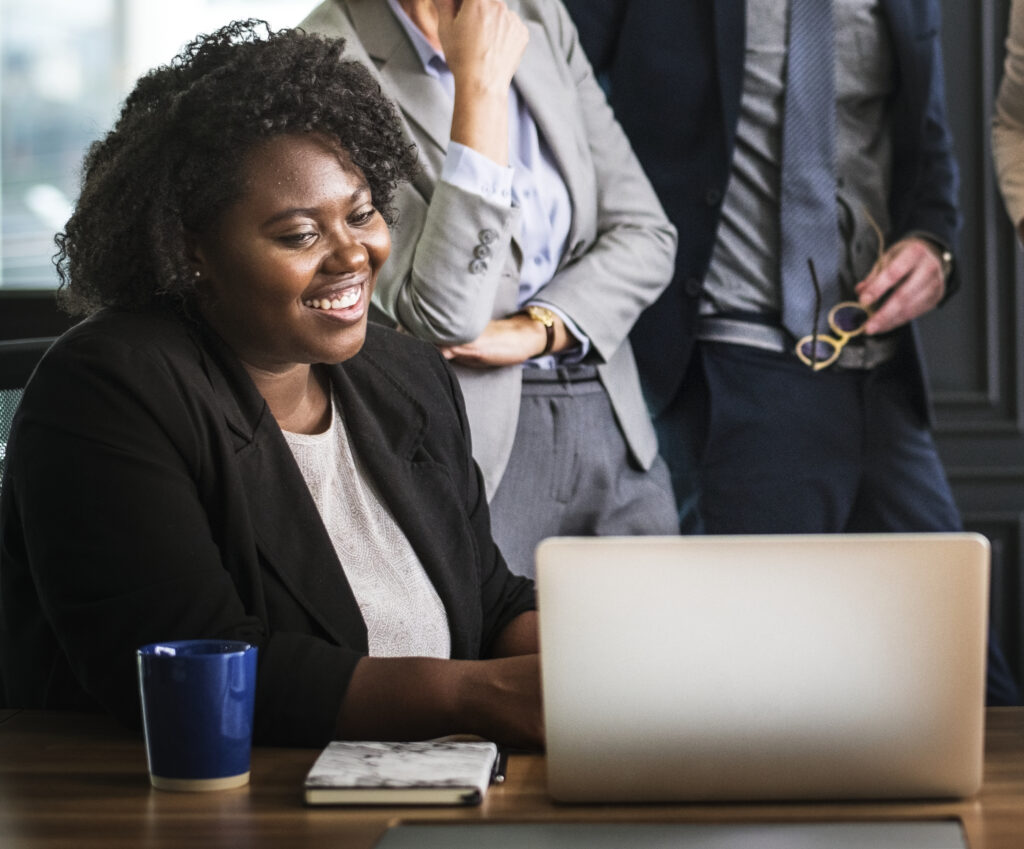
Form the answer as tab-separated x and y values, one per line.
199	274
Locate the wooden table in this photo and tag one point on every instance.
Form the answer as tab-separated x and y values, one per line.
80	780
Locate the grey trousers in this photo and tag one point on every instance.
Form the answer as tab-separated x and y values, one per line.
570	472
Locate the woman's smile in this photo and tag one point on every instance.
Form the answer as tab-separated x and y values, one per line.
346	302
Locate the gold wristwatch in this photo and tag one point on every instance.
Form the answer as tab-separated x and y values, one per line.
547	318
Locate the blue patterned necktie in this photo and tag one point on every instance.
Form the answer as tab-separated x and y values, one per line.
808	221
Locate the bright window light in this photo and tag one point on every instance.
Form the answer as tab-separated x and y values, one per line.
65	67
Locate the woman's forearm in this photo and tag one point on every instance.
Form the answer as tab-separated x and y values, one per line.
415	698
483	42
480	121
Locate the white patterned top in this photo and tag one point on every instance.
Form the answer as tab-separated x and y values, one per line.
403	613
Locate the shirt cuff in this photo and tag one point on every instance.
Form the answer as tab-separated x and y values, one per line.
941	244
473	172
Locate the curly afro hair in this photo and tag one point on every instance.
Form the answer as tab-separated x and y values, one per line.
172	163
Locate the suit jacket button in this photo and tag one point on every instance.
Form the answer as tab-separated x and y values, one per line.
478	266
692	287
712	196
487	236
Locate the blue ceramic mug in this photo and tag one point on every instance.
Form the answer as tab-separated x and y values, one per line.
197	705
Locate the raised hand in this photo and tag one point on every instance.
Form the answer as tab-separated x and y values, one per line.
483	42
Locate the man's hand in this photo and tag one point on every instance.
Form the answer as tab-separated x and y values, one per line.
909	277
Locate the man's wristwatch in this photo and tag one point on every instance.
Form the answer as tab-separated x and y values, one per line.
946	258
942	251
547	318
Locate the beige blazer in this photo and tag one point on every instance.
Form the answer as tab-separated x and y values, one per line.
620	250
1008	122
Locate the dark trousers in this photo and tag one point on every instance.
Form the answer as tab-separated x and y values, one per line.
756	442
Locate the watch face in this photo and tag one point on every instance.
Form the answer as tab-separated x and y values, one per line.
541	314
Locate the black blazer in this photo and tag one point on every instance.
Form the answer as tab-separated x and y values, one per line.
675	72
150	495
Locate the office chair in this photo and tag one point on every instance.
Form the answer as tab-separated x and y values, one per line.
18	358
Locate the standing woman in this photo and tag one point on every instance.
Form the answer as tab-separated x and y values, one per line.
1008	124
225	449
525	249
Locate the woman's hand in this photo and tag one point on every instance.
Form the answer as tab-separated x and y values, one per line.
507	342
483	42
504	342
503	700
416	698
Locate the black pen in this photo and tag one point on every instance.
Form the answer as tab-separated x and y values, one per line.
500	766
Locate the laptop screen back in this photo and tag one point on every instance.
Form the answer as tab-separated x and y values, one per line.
763	667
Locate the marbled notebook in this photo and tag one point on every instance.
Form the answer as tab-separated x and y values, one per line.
432	772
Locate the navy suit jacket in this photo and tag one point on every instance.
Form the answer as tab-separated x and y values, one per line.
150	495
675	72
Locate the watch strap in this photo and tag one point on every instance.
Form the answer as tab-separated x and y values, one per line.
543	316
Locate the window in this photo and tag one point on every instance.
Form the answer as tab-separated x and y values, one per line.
65	66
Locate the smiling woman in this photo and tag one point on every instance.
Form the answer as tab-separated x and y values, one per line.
232	451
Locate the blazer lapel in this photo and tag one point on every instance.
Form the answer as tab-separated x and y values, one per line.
541	85
903	21
293	539
387	428
730	36
286	524
551	104
421	100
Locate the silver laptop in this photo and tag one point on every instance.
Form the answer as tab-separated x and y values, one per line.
763	667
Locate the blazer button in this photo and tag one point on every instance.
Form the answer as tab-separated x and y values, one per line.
481	252
692	287
487	235
712	196
477	266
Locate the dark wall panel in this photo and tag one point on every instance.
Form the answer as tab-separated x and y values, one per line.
973	344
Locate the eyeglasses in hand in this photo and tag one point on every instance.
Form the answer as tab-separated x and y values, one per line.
846	319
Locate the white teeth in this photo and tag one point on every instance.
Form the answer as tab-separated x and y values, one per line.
338	302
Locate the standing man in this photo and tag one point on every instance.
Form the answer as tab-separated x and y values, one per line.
802	151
